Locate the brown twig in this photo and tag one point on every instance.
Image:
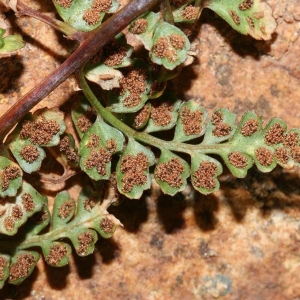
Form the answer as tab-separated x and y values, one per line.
94	42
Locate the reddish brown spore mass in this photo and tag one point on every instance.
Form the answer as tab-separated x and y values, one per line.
135	82
85	239
107	225
94	141
133	168
65	146
170	172
113	53
190	12
142	116
291	139
191	121
57	252
216	118
17	212
139	26
249	127
7	174
21	267
264	156
64	3
163	49
161	113
39	132
177	41
98	159
111	146
246	4
295	151
282	155
89	204
66	209
203	176
236	19
30	153
91	16
238	160
274	135
9	224
3	263
28	203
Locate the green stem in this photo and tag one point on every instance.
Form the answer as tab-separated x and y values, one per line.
143	136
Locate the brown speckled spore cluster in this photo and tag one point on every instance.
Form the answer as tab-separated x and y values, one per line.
203	177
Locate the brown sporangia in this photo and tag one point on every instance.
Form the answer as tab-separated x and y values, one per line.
139	26
246	4
249	127
66	209
191	121
26	129
111	145
113	53
66	147
295	152
94	141
133	168
21	267
39	132
89	204
274	135
170	172
56	254
3	263
177	41
135	82
30	153
291	139
264	156
9	223
91	16
216	118
282	155
7	174
98	159
203	177
238	160
161	113
221	129
142	116
27	202
84	123
163	49
236	19
85	239
17	212
250	23
190	12
107	225
64	3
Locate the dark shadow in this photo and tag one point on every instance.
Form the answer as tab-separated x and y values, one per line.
108	249
131	213
242	45
205	208
277	190
170	212
22	291
57	277
11	69
84	265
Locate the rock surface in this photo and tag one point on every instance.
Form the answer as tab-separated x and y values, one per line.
239	243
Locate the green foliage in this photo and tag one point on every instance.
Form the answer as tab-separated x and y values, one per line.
134	131
10	43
